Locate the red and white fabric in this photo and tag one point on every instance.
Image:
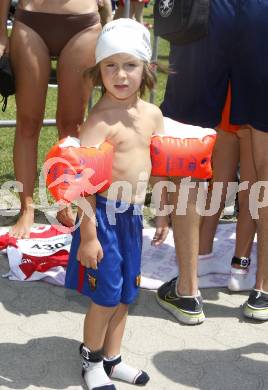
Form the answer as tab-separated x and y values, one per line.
43	256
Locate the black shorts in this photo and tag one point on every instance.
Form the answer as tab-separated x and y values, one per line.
235	49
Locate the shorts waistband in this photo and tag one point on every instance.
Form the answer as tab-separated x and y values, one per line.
126	207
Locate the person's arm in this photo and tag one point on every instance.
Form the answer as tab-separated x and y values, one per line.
92	133
158	120
160	199
4	9
90	251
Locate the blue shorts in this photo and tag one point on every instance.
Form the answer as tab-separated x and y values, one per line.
117	278
235	50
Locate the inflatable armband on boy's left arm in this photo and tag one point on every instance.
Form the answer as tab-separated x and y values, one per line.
72	171
183	150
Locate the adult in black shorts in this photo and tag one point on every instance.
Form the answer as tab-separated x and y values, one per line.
235	50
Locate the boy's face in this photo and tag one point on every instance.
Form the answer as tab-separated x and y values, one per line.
122	75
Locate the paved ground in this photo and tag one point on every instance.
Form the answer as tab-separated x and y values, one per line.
41	328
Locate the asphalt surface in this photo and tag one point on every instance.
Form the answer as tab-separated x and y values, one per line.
41	328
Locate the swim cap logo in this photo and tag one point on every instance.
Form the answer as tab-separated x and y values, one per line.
166	7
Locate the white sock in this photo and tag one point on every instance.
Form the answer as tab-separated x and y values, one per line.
204	264
93	371
210	264
207	256
116	369
262	291
241	280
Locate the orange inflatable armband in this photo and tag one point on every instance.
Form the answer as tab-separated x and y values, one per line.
183	150
72	170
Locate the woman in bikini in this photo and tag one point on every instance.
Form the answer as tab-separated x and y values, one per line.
67	31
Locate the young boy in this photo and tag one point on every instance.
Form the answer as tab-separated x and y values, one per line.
105	259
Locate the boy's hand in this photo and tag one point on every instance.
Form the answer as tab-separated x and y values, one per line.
161	231
90	253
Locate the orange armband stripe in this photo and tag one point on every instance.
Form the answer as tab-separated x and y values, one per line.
74	171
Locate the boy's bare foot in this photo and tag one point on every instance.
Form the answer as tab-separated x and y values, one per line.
22	228
66	216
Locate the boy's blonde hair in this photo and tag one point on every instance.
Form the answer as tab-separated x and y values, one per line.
148	78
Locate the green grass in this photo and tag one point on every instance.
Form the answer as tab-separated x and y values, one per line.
48	135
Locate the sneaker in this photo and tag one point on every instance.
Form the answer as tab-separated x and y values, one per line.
187	309
257	305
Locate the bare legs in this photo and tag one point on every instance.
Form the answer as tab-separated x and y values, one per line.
229	149
180	296
106	12
103	332
260	145
136	11
74	91
246	226
225	162
104	328
186	238
31	64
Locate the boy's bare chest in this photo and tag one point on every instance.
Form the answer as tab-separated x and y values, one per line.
125	139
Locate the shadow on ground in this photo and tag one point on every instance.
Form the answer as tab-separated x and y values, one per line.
50	362
230	369
33	298
23	365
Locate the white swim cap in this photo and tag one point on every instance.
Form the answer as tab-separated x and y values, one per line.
124	36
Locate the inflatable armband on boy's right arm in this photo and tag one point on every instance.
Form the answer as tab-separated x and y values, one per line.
72	170
183	150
